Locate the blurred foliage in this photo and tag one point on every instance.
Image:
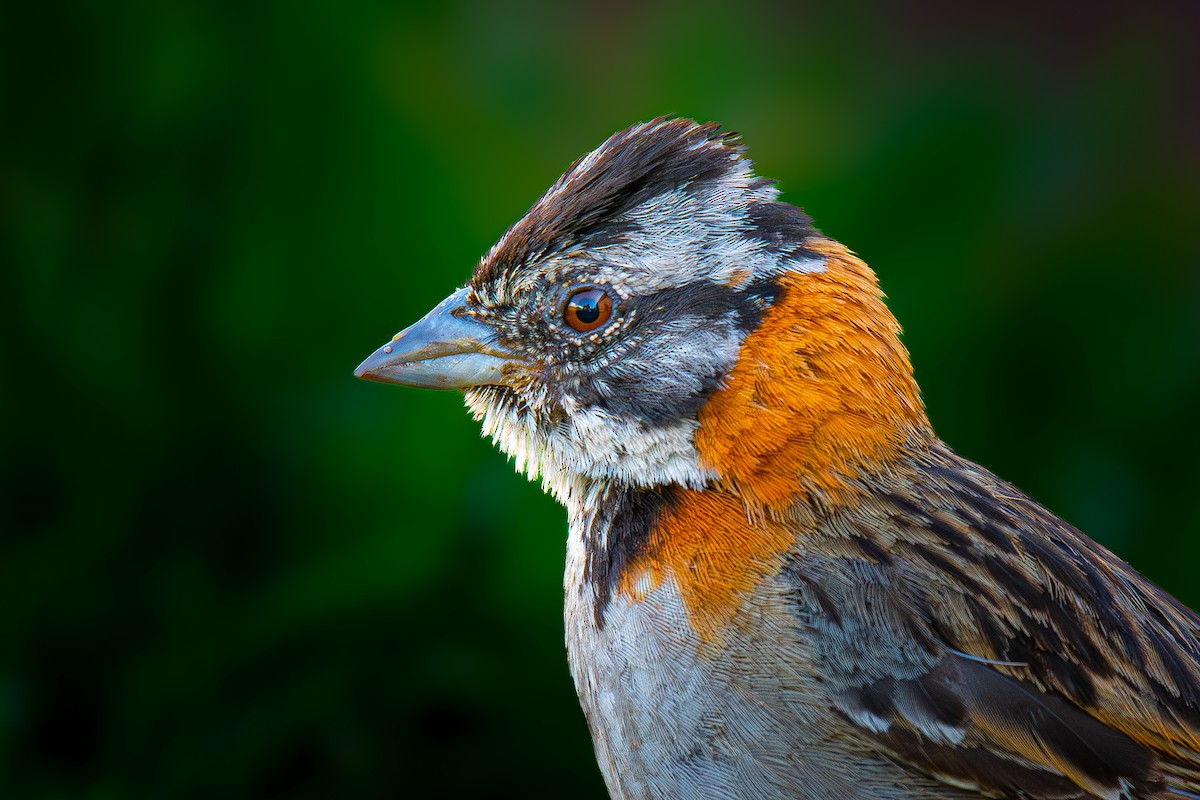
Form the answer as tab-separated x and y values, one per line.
227	569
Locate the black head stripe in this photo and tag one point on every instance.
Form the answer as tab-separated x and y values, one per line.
785	229
631	167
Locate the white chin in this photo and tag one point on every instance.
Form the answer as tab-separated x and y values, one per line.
591	446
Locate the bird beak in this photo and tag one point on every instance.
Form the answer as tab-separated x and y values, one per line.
446	349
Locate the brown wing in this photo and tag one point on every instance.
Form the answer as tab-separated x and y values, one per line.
985	641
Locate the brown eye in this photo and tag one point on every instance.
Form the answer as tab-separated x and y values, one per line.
588	309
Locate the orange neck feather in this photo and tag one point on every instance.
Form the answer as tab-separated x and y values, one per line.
821	397
822	393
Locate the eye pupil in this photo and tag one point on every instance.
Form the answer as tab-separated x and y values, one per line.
588	309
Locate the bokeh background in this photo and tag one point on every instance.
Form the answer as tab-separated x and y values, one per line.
227	569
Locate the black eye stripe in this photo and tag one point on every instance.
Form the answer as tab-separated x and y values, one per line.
712	300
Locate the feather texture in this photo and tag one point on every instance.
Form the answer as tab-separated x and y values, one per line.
986	641
780	584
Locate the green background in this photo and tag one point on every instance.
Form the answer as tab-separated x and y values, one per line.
228	569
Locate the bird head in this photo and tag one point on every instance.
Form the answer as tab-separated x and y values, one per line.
660	317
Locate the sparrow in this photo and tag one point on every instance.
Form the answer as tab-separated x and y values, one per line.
779	582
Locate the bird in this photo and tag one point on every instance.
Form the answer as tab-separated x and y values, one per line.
780	583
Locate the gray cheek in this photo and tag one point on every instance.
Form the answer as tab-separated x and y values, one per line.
668	376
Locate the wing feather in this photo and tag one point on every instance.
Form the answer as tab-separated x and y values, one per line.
991	644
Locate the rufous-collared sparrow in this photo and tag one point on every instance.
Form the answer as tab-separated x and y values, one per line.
780	583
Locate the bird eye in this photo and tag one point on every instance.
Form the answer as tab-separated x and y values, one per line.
588	309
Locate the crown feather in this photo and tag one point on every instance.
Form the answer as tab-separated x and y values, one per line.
630	168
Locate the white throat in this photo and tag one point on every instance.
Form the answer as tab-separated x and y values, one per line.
590	447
